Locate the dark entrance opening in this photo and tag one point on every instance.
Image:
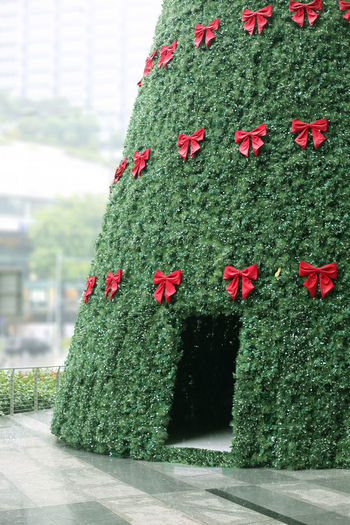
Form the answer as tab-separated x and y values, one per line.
204	386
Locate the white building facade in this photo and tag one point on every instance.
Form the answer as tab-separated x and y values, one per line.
90	52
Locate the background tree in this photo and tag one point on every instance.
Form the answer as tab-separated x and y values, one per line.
70	225
53	122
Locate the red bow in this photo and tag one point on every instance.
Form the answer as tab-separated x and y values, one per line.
249	17
184	142
327	272
166	282
318	138
251	272
112	283
300	9
139	159
90	283
119	171
240	136
209	35
345	5
166	54
148	66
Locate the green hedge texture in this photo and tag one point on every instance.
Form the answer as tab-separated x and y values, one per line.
291	398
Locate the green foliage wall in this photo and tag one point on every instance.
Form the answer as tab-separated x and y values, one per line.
291	402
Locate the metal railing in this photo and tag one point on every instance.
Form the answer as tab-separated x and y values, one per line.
28	388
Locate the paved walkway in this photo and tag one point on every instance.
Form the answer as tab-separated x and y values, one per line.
44	483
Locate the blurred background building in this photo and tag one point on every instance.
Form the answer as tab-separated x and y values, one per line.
68	79
89	52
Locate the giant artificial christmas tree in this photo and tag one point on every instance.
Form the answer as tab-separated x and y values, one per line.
198	205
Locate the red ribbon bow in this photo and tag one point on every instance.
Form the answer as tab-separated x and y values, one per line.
120	169
251	272
300	9
303	127
327	272
166	282
140	162
250	17
345	5
90	283
166	54
112	281
184	142
208	30
259	131
148	66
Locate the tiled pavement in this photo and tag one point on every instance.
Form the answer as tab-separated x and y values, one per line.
43	482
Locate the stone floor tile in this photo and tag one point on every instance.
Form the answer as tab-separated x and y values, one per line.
341	484
60	496
84	476
146	510
344	510
79	454
112	490
51	458
211	509
40	474
268	522
200	477
25	517
28	442
89	513
148	481
327	518
273	501
17	461
40	480
31	424
256	476
5	421
177	469
308	475
210	481
44	416
51	488
5	483
14	499
9	433
311	493
136	474
7	445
